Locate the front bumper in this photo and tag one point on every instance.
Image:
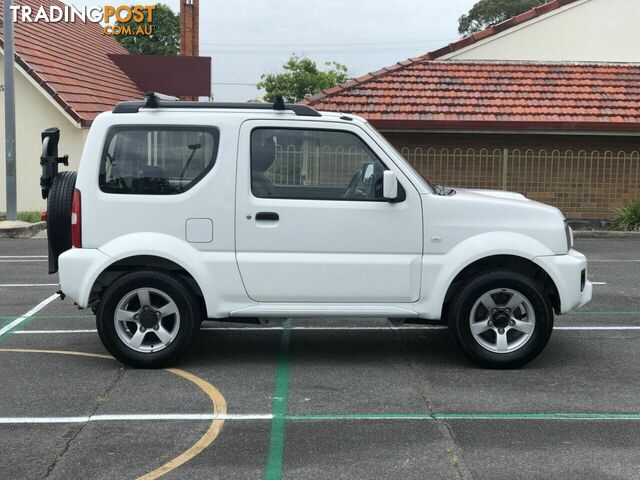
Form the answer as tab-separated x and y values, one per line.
569	273
78	269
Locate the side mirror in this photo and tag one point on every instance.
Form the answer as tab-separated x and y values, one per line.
389	185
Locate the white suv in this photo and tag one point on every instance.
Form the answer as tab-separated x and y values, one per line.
187	211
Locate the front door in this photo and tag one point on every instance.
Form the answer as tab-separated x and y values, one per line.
311	223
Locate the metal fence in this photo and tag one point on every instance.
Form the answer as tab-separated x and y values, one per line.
316	166
583	184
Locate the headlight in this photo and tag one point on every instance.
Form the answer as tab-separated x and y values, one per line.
569	233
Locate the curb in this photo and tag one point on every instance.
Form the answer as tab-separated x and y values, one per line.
609	234
23	232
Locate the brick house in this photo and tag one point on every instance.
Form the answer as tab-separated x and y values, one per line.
565	133
68	73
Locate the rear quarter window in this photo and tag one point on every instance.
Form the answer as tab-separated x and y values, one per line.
156	160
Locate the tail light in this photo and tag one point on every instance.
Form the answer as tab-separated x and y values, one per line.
76	220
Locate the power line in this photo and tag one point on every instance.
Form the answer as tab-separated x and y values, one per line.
307	52
346	44
234	83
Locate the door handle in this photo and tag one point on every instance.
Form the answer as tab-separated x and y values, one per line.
267	216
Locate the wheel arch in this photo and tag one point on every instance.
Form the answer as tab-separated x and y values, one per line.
503	261
142	262
156	251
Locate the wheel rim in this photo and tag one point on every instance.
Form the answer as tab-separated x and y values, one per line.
502	320
147	320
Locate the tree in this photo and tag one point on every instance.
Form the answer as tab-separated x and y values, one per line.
489	12
300	77
165	39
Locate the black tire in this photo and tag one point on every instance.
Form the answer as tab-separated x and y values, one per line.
171	285
59	212
466	297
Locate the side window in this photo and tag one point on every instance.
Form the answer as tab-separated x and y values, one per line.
313	164
156	160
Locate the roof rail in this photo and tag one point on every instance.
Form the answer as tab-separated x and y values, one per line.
155	100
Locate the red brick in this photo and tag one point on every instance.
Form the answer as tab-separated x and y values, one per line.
70	60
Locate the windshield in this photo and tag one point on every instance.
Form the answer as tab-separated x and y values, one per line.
426	183
429	184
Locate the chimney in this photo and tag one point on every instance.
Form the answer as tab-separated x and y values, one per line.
190	28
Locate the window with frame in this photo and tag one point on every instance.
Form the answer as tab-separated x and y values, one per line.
314	164
156	160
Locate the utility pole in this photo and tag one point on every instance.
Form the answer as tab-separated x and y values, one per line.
9	112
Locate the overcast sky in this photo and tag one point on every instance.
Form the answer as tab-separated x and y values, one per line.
247	38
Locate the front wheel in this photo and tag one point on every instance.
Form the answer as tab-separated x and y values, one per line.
147	318
501	319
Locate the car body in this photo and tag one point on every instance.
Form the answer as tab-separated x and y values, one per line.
397	247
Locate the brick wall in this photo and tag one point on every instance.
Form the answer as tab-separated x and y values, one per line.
585	176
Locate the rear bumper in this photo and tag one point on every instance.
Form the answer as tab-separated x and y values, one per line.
78	269
569	273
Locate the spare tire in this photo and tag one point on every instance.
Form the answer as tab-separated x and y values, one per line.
59	216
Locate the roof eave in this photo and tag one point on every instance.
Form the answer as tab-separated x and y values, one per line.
524	126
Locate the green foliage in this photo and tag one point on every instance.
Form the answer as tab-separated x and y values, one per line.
300	77
490	12
31	217
628	216
165	39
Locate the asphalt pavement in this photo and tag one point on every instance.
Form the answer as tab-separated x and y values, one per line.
319	398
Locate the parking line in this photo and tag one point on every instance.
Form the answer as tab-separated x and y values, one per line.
22	261
273	469
605	313
268	329
218	402
612	261
580	416
20	320
52	317
22	256
9	285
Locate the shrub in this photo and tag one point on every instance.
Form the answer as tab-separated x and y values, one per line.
628	216
31	217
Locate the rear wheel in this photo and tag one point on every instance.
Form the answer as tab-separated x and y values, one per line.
501	319
148	318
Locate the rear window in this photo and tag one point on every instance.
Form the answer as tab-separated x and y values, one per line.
156	160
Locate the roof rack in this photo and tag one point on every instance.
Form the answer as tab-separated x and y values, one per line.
155	100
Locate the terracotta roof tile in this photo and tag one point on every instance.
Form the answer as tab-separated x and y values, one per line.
580	95
70	61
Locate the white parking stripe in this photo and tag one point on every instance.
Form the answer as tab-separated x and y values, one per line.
137	418
29	314
598	283
560	416
22	332
612	261
22	256
267	329
10	285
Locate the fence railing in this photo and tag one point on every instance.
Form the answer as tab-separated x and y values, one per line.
326	166
583	184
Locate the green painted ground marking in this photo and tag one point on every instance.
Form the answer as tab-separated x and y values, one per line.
467	416
17	327
273	469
